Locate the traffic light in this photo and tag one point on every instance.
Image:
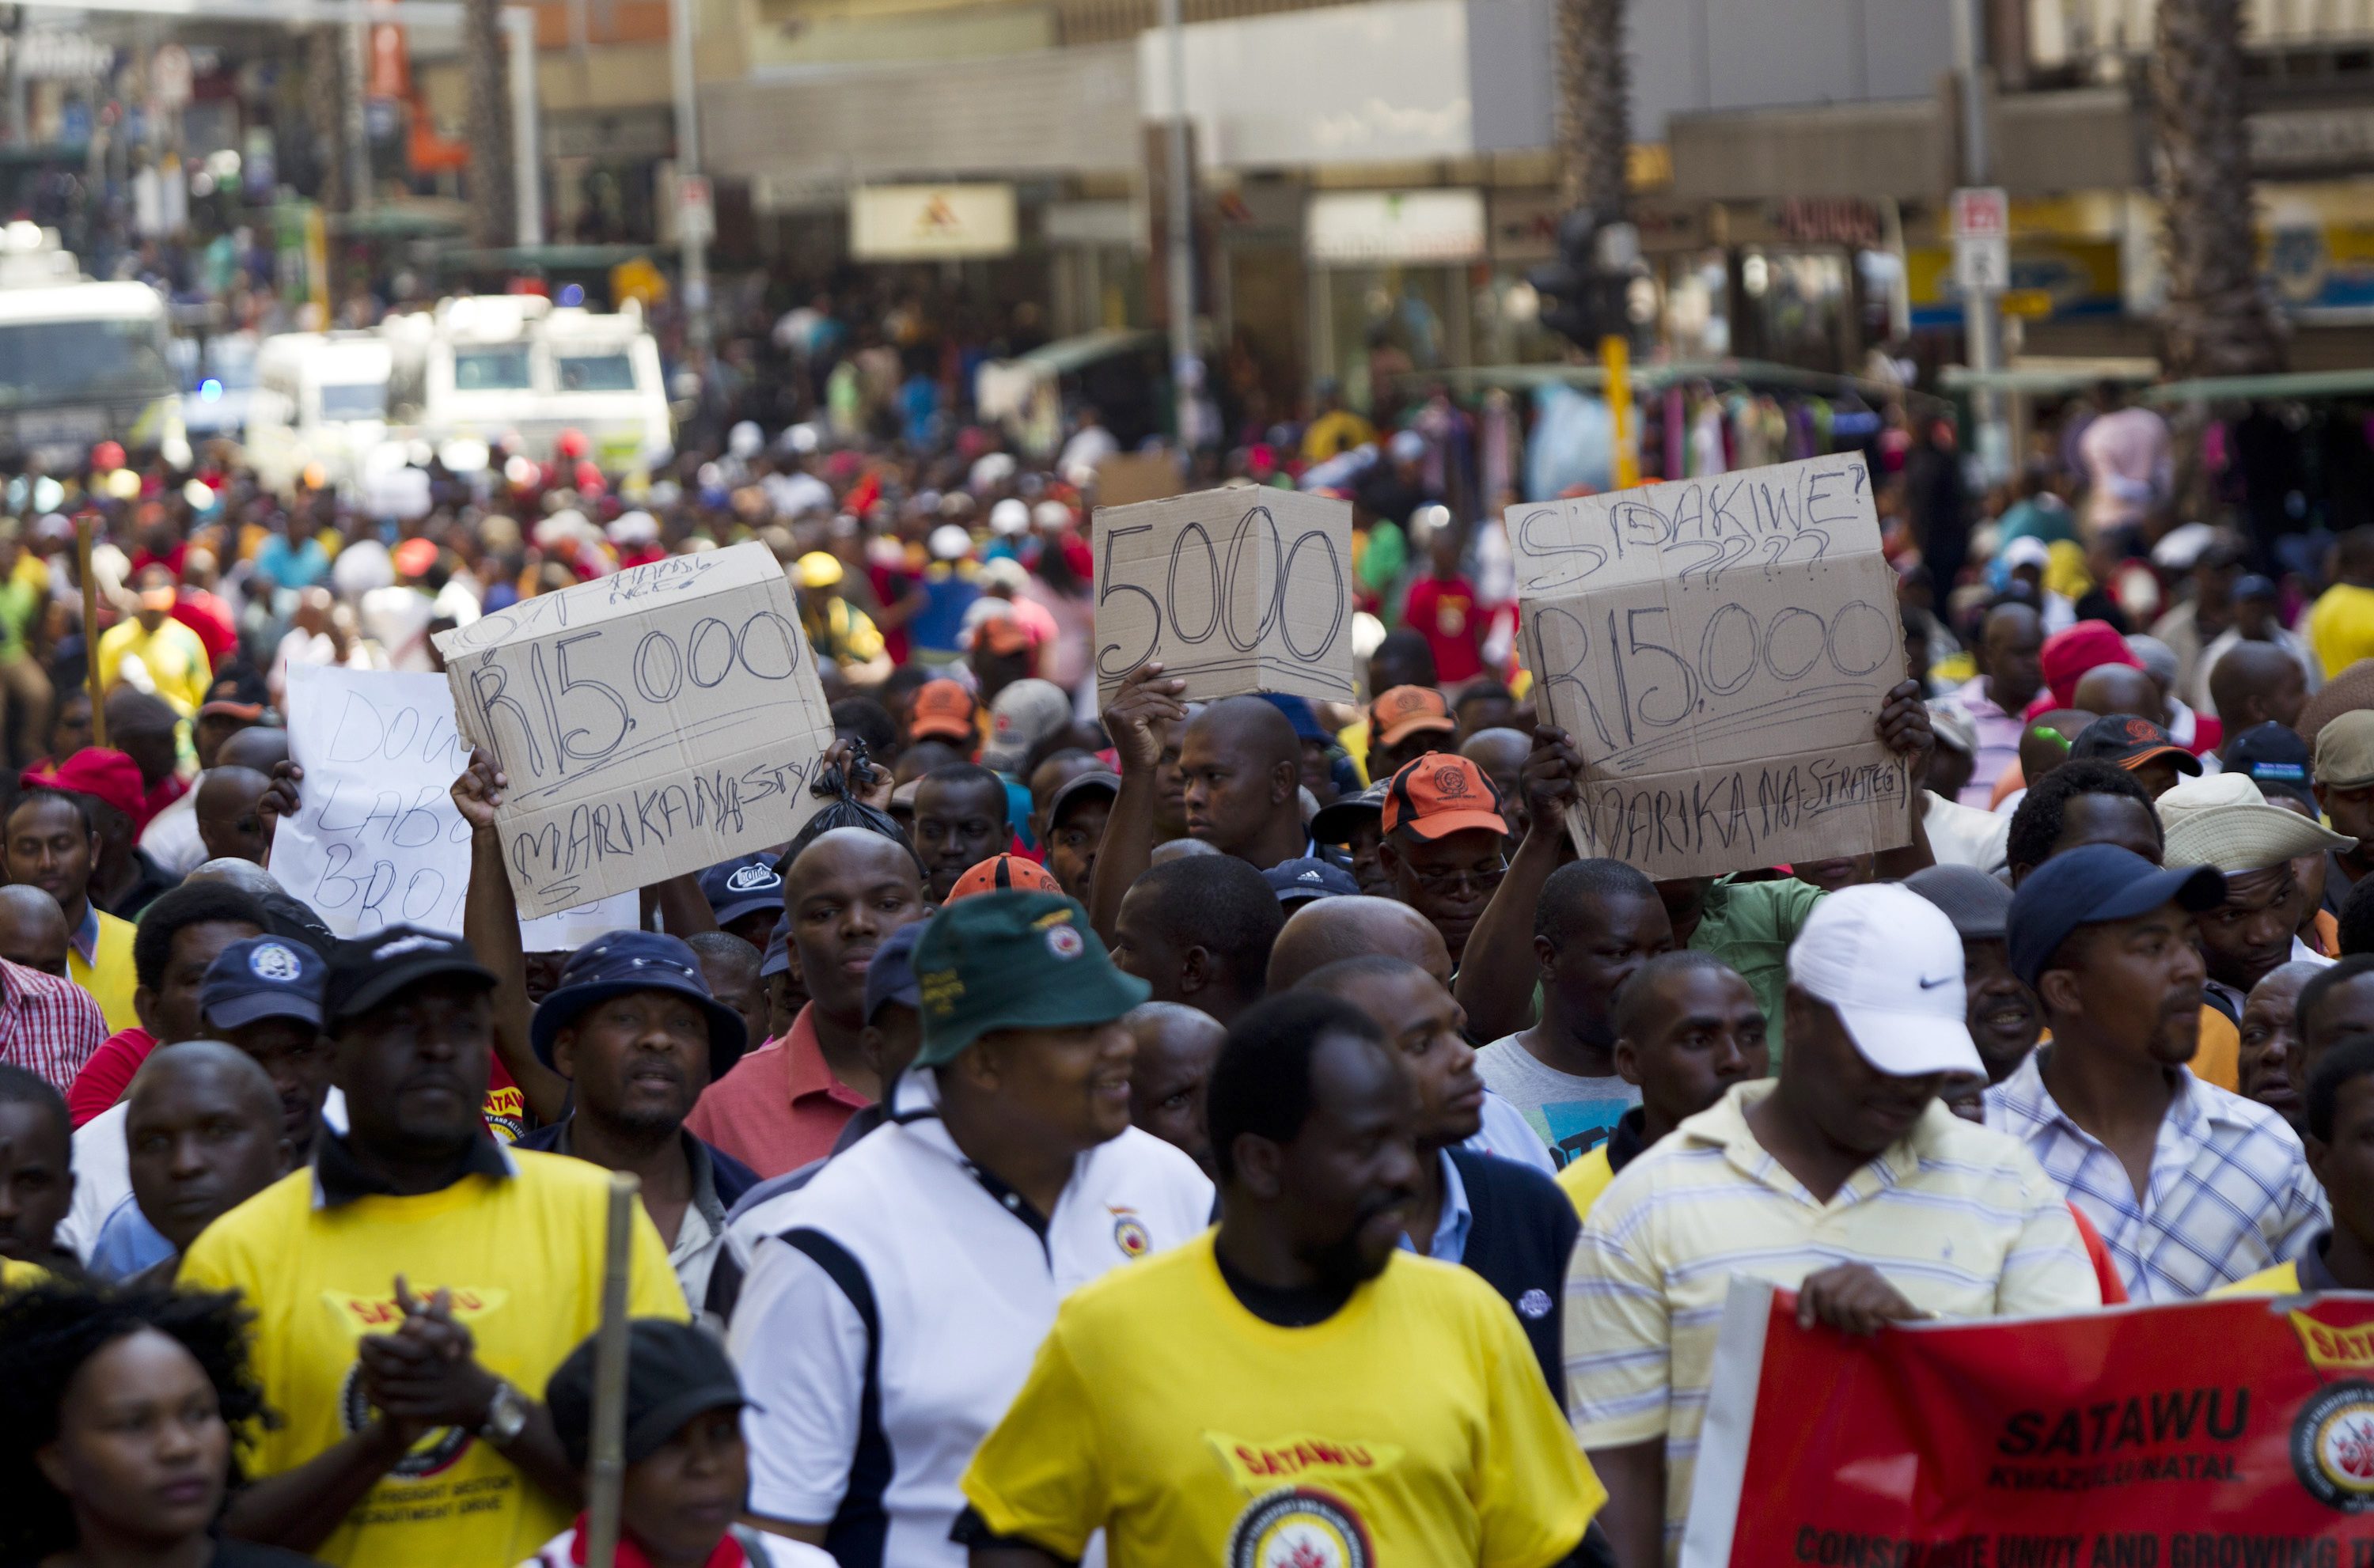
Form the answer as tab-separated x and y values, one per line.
1583	291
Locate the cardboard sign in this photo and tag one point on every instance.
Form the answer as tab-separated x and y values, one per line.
2190	1434
376	840
1719	649
651	722
1234	591
1126	478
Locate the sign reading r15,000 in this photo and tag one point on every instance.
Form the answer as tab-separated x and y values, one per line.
1233	591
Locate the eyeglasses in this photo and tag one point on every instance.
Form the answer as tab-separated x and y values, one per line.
1444	885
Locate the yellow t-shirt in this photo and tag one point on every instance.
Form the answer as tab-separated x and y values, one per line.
175	658
2340	628
522	1256
2218	1059
108	978
1414	1422
1584	1178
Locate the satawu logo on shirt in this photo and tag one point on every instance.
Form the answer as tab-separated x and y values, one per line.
381	1315
1300	1456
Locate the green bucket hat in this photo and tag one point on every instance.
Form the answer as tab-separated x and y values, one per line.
1014	961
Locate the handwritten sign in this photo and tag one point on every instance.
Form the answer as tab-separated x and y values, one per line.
376	840
1718	648
1234	591
653	722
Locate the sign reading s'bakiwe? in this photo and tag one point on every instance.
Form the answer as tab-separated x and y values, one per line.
2225	1434
1718	648
1240	590
651	722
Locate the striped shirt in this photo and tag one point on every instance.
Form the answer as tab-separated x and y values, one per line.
1957	1217
2229	1192
48	1025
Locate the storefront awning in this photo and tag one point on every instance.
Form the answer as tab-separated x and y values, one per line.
2300	386
1657	378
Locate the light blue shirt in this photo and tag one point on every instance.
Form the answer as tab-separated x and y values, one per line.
1449	1244
128	1244
1507	1134
84	937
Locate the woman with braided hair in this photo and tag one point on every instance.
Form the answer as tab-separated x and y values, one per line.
117	1408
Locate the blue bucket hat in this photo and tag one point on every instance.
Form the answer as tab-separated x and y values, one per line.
621	962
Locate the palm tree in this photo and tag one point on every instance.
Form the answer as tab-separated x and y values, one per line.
491	191
1594	105
2216	321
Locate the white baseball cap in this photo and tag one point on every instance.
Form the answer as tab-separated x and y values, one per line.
1009	517
1890	962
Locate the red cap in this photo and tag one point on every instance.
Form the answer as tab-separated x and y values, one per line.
943	708
1408	710
1443	793
107	777
2068	654
1002	873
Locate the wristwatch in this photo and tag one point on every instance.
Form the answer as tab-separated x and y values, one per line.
506	1415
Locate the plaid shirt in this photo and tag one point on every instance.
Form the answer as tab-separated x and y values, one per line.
48	1025
2229	1193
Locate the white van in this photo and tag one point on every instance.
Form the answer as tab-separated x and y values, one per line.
501	366
320	401
81	362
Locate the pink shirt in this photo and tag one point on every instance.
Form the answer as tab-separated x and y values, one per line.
781	1107
1999	735
107	1073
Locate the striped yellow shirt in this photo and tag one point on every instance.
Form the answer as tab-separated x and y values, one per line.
1962	1221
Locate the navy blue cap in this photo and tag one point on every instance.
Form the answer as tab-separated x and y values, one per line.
2253	586
890	974
263	976
2090	886
1292	880
1297	713
2273	758
735	888
622	962
777	959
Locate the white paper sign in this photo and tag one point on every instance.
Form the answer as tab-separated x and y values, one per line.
376	840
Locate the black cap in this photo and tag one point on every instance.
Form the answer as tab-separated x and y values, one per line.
366	970
2129	742
2273	758
1077	790
674	1371
1337	820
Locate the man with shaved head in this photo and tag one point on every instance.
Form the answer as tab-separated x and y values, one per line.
1328	930
203	1130
1243	767
2120	688
32	929
2257	683
1176	1047
230	822
2011	653
785	1104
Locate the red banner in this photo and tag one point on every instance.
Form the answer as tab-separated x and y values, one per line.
2235	1433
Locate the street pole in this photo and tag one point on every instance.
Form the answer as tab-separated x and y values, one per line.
527	177
687	166
358	74
1981	325
1186	374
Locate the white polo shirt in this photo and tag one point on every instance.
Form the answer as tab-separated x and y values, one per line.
890	1320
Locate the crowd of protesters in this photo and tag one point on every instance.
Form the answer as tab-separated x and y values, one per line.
1237	1131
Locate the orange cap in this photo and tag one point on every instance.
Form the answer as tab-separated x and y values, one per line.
943	708
1406	710
1005	635
1443	793
1002	873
